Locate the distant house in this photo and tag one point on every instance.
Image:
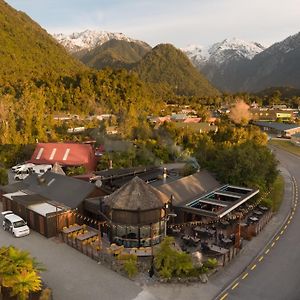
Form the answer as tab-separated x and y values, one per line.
65	154
192	120
178	117
278	128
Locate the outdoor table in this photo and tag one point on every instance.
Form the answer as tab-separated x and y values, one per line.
86	236
257	212
195	240
211	232
218	249
200	229
226	241
254	219
72	229
264	208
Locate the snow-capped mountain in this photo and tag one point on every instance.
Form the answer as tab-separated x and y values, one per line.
89	39
278	65
219	53
221	63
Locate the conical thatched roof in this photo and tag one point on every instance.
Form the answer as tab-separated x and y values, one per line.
136	194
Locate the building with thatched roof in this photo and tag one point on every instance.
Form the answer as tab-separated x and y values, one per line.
137	213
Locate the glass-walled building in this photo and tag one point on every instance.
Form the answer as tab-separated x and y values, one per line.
137	214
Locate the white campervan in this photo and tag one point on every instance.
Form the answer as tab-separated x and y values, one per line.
22	167
15	224
22	174
41	169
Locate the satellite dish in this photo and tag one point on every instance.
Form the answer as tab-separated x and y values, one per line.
98	183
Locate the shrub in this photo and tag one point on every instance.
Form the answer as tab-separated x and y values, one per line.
170	262
211	263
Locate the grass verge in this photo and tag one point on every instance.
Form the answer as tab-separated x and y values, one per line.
275	197
286	145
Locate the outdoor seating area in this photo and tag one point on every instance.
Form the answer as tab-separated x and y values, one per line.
223	239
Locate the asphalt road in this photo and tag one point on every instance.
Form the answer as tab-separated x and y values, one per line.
275	274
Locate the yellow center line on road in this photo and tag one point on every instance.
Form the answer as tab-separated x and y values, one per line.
261	258
253	267
224	296
235	286
245	275
267	251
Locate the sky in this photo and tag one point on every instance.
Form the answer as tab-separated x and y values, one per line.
180	22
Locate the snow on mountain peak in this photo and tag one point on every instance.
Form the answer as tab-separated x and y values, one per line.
227	50
88	39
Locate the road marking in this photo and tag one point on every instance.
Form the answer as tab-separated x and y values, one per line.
289	222
273	244
253	267
282	231
285	227
235	286
277	238
245	275
261	258
224	296
291	217
267	251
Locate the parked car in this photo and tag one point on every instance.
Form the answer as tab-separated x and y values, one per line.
21	175
14	224
22	167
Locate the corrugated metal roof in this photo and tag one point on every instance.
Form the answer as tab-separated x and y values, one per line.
66	154
189	187
276	125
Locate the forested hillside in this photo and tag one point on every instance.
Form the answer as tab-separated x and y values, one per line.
115	54
165	64
28	51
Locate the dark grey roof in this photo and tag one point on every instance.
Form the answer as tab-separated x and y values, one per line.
27	200
14	187
55	187
63	189
276	125
190	187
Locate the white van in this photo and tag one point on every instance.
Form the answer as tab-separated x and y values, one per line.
21	175
15	224
41	169
22	167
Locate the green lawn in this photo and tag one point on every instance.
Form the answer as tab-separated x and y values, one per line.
275	197
286	145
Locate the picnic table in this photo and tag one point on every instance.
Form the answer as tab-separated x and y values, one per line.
226	240
264	208
191	239
72	229
218	249
204	230
86	236
257	212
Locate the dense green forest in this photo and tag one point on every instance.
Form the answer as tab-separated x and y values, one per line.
28	51
116	54
165	64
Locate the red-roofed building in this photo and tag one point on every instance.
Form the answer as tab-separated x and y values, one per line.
65	154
